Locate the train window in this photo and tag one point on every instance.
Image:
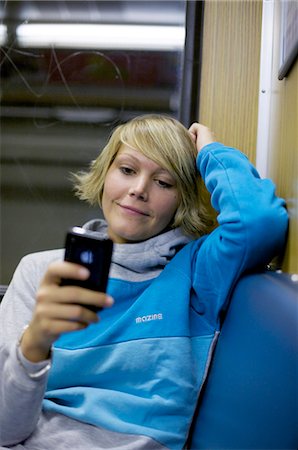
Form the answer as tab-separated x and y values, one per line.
70	72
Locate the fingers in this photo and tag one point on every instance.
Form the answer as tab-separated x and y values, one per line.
62	269
194	128
201	135
60	309
51	291
54	319
68	302
56	294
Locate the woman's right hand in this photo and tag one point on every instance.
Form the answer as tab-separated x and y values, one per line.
60	309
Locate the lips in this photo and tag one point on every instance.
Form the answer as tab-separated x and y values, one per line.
134	210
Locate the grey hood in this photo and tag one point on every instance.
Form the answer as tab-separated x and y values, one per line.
142	260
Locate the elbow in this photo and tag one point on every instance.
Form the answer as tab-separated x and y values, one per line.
268	234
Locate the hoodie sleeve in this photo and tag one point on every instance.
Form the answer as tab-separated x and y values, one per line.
252	226
21	395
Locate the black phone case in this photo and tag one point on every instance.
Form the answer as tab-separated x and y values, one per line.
86	249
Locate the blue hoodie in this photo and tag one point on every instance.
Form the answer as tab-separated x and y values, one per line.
139	371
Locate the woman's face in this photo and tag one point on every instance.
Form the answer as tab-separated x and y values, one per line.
139	199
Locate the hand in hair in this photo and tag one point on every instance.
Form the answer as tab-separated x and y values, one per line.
201	135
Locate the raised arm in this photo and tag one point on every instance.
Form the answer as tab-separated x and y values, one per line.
252	221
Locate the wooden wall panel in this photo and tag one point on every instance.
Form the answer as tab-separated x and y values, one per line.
230	72
229	98
283	143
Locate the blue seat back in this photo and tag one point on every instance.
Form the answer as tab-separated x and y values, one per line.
250	398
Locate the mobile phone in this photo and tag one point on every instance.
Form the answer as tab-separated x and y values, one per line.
85	248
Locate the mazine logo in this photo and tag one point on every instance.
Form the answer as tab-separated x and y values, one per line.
148	318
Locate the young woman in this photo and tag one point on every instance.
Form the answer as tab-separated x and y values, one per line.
129	377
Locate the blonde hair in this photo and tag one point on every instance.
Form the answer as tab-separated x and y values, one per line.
168	143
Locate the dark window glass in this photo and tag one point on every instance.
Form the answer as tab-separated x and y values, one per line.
60	102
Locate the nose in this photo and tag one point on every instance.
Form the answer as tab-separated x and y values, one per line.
139	189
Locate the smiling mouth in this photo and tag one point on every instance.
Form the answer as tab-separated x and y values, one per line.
134	210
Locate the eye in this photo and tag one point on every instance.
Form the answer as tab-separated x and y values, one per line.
126	170
164	184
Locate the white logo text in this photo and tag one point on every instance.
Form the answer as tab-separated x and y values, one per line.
149	318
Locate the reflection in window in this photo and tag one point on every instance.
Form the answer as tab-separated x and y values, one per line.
62	96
